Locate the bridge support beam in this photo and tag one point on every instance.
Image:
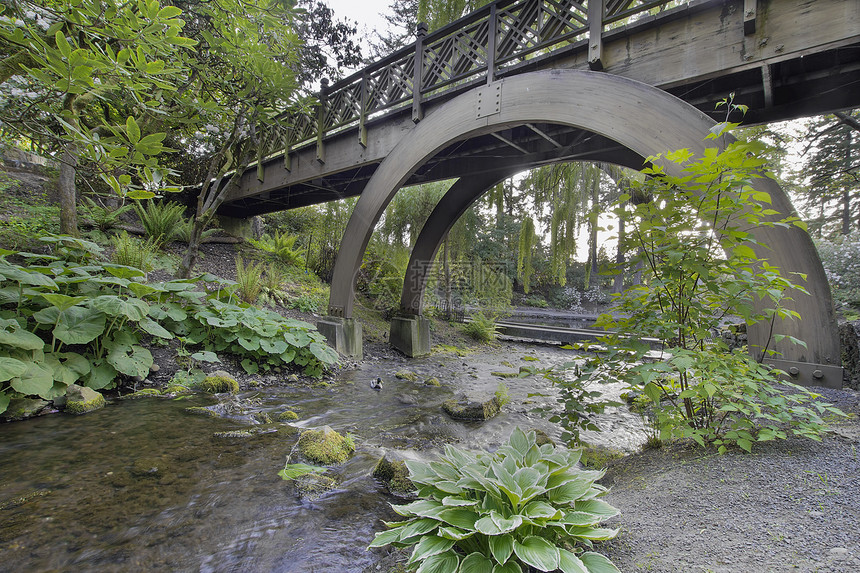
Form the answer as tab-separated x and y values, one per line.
641	118
342	334
410	335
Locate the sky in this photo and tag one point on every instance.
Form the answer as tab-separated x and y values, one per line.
365	12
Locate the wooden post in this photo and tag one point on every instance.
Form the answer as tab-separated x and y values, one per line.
491	46
362	117
288	144
321	109
595	34
418	73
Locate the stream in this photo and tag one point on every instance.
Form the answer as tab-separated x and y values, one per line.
144	485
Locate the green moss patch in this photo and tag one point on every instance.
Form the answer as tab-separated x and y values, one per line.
325	446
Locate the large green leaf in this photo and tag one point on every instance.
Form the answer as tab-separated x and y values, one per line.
153	328
462	518
21	339
509	567
430	545
501	546
273	346
597	563
101	376
593	533
67	367
63	301
36	380
384	538
324	353
112	305
124	272
79	325
10	368
570	563
4	401
130	360
476	563
537	552
597	507
442	563
292	471
540	510
418	527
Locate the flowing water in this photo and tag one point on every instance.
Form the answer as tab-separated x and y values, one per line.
143	485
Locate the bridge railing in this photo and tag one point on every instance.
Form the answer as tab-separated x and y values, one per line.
484	45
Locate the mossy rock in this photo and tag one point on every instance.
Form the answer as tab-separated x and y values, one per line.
219	382
325	446
312	486
432	381
177	390
406	375
505	374
263	418
82	400
541	438
287	416
23	408
394	474
598	457
148	467
235	434
202	411
143	393
465	409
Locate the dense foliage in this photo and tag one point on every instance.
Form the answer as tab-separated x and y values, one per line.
700	265
69	317
522	506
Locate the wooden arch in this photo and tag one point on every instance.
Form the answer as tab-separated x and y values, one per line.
641	118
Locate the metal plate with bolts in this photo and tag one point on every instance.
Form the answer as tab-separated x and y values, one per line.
808	373
489	100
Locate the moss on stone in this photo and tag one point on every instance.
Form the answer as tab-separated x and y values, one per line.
464	409
406	375
287	416
177	390
235	434
263	418
311	486
432	381
146	392
325	446
202	411
541	438
394	474
598	457
219	382
82	400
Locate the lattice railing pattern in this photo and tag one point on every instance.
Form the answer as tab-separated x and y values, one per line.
455	54
536	25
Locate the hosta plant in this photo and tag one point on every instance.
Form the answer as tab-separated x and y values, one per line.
524	507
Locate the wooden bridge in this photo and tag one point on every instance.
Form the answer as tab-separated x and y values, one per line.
518	84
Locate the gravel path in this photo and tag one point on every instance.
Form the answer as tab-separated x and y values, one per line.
792	505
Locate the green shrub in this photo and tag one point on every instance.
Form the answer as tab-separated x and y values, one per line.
160	220
481	328
536	301
104	218
67	317
249	279
183	231
523	506
693	241
133	252
280	245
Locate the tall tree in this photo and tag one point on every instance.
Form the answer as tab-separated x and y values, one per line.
86	79
832	164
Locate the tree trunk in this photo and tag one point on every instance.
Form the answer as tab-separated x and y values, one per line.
67	191
618	282
846	212
192	253
446	269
